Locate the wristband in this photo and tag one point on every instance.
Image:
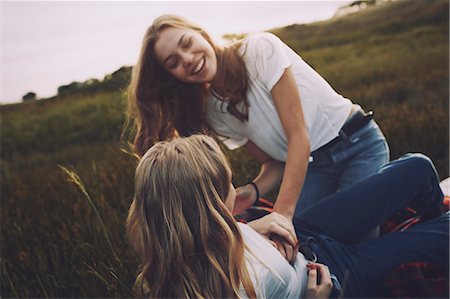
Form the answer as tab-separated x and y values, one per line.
257	192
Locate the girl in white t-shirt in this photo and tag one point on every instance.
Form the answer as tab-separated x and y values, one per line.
259	94
190	246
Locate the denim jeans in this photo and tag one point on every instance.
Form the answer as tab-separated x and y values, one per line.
334	225
353	158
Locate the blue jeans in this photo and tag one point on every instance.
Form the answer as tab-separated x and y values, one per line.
353	158
334	225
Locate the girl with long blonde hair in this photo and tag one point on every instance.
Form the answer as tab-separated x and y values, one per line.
181	225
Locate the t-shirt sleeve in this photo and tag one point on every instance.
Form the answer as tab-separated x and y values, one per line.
267	58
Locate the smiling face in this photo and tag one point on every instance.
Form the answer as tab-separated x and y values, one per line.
186	55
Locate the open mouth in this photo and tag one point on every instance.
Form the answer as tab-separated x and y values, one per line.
199	66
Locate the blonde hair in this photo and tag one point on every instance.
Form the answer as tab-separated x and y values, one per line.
189	242
161	107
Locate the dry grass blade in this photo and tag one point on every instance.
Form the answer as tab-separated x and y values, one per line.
75	179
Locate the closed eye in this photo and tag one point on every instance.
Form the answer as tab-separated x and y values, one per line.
172	63
187	43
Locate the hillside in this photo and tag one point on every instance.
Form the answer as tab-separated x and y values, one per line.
393	59
57	241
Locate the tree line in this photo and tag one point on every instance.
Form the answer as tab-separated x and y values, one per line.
115	81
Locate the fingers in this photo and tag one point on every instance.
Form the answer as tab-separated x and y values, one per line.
274	244
277	224
281	231
326	284
281	226
325	274
287	251
312	276
315	288
281	248
290	253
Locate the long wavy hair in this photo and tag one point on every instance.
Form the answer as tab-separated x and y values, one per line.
189	242
161	107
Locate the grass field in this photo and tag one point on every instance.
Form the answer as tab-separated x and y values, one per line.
66	185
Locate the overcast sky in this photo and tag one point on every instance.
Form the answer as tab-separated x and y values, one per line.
53	43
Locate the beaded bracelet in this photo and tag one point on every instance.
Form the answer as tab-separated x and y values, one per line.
257	192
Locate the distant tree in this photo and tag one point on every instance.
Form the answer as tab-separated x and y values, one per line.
356	6
71	88
91	82
118	79
91	85
31	96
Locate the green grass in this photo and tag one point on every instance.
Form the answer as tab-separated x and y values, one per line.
66	184
393	61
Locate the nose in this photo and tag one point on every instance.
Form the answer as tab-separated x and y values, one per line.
187	58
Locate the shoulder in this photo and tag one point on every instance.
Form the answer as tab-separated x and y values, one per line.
262	37
264	45
259	42
266	57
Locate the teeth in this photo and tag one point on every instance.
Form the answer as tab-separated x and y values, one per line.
199	66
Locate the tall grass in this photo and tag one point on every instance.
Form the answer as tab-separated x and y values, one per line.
65	240
398	69
62	227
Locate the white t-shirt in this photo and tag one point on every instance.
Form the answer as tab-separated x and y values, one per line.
266	58
271	274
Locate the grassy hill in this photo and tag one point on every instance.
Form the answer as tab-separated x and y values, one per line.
62	232
393	59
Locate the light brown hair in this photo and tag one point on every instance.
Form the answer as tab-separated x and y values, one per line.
189	242
162	107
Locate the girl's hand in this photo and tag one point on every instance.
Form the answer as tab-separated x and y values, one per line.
276	227
288	251
245	197
319	281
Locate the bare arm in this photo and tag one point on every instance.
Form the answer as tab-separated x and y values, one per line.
271	171
270	175
287	101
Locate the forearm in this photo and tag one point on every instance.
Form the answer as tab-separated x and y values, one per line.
288	103
270	176
293	177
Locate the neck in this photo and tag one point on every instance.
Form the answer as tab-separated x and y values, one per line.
218	78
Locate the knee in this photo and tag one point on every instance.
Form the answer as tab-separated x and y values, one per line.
418	160
420	164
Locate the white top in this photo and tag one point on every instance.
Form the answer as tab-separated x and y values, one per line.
266	58
271	274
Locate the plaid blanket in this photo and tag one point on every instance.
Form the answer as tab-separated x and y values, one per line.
415	280
412	280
